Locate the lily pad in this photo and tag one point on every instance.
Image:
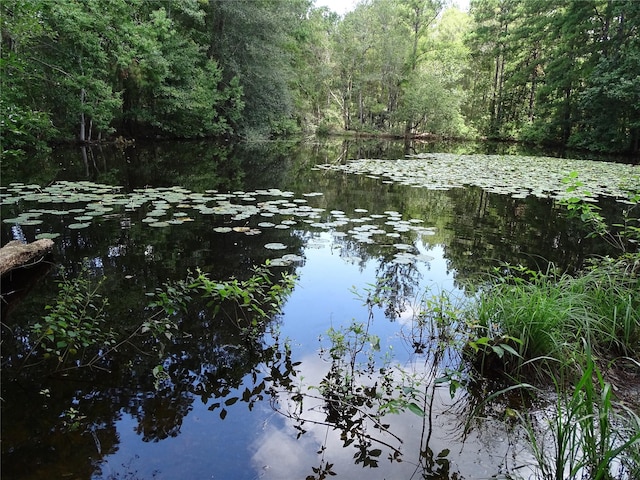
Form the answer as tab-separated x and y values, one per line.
78	226
40	236
275	246
519	176
279	262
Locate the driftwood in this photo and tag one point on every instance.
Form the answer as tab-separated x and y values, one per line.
16	254
21	266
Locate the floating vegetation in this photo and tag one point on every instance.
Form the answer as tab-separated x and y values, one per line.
275	246
47	235
286	260
251	212
518	176
228	213
78	226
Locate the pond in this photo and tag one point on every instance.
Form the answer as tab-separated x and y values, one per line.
343	379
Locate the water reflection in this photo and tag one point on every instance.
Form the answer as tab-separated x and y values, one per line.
409	446
221	384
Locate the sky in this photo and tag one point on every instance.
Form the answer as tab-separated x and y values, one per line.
344	6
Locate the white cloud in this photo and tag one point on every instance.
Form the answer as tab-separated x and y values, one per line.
343	6
339	6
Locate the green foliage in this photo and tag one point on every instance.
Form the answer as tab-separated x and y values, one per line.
167	302
589	435
256	42
76	325
357	390
24	125
75	322
87	69
625	236
540	318
545	316
541	71
245	302
557	72
22	130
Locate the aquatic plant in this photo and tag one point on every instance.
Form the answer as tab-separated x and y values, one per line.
588	434
75	322
244	302
545	316
559	327
624	236
518	176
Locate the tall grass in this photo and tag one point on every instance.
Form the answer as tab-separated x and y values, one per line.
560	328
548	314
589	435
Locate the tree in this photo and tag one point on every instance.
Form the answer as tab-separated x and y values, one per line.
169	84
312	63
251	41
609	105
416	16
432	94
24	124
86	69
562	72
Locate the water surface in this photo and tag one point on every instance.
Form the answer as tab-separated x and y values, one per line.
229	409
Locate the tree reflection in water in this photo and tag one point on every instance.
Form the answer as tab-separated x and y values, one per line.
357	394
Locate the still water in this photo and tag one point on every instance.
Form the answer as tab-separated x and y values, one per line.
238	409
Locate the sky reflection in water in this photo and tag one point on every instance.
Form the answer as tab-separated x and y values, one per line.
264	444
474	231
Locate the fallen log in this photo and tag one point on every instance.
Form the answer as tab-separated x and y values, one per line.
16	254
21	266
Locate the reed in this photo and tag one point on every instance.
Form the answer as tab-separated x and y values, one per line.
549	314
589	435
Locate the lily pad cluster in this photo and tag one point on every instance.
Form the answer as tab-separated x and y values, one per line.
239	212
518	176
82	201
162	206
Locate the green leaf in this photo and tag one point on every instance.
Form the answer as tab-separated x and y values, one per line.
509	349
414	408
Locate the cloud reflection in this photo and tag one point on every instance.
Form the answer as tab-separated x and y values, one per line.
429	444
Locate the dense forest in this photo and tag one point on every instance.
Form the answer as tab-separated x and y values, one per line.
562	72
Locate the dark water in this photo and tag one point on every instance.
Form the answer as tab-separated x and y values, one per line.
229	409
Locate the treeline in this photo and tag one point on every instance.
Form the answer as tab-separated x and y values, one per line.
89	69
561	71
545	71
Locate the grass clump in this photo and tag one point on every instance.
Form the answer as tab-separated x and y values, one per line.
545	316
568	331
589	435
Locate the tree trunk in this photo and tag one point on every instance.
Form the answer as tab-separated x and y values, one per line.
83	137
16	254
534	84
566	117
